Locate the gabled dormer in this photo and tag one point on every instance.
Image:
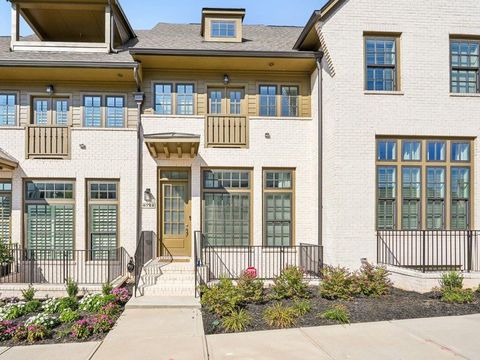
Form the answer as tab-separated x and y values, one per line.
75	26
222	25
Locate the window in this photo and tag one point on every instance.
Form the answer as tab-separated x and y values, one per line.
435	198
465	66
460	194
103	219
41	110
432	187
278	205
50	111
49	216
163	99
411	150
8	109
235	98
185	99
215	99
386	150
115	111
61	111
92	116
5	211
386	194
381	62
226	208
289	100
436	150
460	151
223	29
268	100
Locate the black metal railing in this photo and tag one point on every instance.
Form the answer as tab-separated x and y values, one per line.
429	250
56	266
146	251
214	262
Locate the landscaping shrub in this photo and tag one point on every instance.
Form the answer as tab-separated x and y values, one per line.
458	296
290	284
94	302
101	323
7	330
338	283
69	316
12	311
302	307
36	333
110	309
373	280
72	288
32	306
67	303
280	316
250	288
121	295
451	280
20	334
50	306
48	321
237	320
338	313
222	298
107	288
81	329
29	293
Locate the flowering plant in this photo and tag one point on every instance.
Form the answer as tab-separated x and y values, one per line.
82	329
50	306
12	311
7	330
21	333
94	302
36	333
101	323
45	320
121	295
110	309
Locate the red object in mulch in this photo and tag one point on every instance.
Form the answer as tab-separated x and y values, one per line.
251	271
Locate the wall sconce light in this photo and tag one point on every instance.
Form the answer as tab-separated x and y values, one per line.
226	79
267	136
148	196
83	146
50	89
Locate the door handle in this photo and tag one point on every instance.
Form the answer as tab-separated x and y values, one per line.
186	230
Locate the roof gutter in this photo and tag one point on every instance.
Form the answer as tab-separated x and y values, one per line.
67	64
224	53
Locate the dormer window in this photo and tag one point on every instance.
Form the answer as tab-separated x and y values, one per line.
223	29
222	25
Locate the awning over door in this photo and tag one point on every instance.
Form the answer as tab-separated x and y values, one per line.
7	162
178	144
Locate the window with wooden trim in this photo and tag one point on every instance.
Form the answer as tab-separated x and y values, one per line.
465	66
278	205
268	100
381	63
290	100
49	217
185	99
103	203
434	177
5	211
8	109
92	111
163	94
226	209
115	111
50	111
222	29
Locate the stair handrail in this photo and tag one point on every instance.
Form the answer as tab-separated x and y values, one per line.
141	258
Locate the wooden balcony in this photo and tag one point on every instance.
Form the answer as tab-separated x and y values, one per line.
229	131
47	142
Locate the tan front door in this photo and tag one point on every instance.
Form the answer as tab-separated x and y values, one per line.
175	218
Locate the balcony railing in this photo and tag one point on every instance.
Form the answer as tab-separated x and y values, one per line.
430	250
226	131
47	141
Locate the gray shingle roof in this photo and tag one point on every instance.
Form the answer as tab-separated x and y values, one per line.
168	37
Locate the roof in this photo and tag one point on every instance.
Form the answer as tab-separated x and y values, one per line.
7	161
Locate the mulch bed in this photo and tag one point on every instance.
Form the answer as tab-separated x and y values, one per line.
397	305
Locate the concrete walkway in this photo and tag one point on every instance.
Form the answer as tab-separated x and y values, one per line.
435	338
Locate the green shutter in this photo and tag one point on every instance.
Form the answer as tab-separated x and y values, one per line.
5	217
104	224
278	214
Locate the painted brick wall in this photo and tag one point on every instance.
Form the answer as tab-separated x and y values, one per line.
423	107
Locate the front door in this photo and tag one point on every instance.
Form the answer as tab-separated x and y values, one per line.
175	218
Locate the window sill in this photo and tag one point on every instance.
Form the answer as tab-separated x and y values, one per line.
278	118
101	129
159	116
464	95
370	92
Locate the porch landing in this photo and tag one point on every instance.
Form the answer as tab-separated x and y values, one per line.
163	302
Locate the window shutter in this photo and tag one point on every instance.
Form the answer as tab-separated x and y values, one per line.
5	216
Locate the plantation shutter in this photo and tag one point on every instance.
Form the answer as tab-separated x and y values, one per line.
279	219
5	217
104	222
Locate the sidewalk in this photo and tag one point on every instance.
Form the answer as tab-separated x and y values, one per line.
435	338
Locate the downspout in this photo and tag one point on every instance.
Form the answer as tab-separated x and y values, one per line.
320	146
139	97
112	30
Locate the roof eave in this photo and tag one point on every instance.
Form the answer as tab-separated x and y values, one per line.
68	64
224	53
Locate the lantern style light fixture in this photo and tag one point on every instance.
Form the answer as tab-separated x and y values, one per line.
50	89
226	79
148	196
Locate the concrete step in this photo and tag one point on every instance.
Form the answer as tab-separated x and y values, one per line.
162	292
161	302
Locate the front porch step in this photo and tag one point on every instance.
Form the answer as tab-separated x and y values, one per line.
163	302
169	290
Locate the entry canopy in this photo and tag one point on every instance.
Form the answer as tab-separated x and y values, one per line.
7	162
172	143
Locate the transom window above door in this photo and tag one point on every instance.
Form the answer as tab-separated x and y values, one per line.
50	111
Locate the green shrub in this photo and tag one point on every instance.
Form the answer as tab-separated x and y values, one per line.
20	334
36	333
67	303
43	319
302	307
290	284
12	311
373	280
107	289
94	302
50	306
111	309
458	296
250	288
32	306
280	316
72	288
29	293
451	280
222	298
338	283
68	316
237	320
338	313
